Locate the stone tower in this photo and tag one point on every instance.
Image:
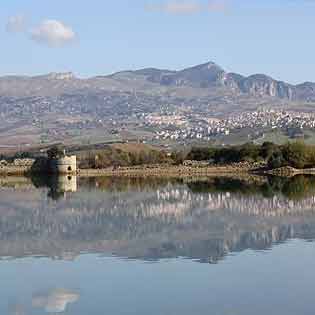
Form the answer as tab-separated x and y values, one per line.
64	165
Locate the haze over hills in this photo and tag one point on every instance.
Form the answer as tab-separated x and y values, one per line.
147	104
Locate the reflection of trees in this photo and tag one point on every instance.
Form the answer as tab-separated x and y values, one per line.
299	187
124	184
224	185
58	184
294	188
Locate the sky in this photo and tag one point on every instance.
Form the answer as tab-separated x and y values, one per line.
98	37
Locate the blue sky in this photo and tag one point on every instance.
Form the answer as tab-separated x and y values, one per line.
103	36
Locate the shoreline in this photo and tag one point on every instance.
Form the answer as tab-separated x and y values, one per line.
166	172
143	171
170	171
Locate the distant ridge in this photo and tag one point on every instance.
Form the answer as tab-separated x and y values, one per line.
205	76
209	75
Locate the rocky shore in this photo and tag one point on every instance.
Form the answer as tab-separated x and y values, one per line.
288	171
232	170
244	169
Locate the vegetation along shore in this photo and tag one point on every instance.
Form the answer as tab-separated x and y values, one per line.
133	159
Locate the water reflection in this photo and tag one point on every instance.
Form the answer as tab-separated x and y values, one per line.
17	309
55	301
152	219
58	186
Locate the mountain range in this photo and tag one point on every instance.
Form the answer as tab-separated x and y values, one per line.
207	77
210	75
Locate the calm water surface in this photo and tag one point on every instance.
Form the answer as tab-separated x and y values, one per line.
165	247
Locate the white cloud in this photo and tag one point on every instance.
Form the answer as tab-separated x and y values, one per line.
188	6
16	24
53	33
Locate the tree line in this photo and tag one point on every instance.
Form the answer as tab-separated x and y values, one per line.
116	157
294	154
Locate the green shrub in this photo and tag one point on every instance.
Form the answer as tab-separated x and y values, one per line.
296	154
267	149
249	152
201	154
55	152
276	160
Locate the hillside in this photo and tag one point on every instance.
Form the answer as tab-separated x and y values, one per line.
59	107
205	76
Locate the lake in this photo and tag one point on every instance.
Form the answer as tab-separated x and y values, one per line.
121	246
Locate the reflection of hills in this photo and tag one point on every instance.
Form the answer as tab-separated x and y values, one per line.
155	219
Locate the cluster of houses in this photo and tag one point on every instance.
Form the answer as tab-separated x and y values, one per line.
179	127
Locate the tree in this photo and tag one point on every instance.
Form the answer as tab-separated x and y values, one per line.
178	157
276	160
267	149
296	154
55	152
249	152
201	154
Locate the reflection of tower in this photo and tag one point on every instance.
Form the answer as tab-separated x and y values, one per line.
66	183
60	185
